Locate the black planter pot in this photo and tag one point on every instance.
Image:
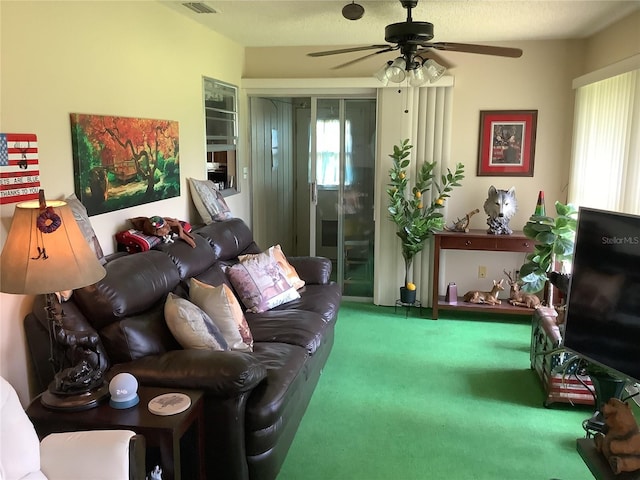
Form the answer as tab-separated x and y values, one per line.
606	387
407	296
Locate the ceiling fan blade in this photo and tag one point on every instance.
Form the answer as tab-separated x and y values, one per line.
472	48
345	50
390	49
431	53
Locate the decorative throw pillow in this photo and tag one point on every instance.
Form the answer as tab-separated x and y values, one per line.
225	311
278	255
208	201
261	284
82	219
191	327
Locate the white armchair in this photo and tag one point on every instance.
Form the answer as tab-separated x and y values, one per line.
88	455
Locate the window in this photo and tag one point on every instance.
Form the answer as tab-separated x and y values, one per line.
328	147
605	167
221	121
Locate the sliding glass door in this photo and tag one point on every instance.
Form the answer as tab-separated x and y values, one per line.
342	160
313	162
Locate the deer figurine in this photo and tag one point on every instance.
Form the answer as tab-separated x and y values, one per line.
518	298
491	298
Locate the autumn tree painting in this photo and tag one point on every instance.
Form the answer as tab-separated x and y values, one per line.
120	162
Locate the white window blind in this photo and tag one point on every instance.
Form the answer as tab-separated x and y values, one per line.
605	166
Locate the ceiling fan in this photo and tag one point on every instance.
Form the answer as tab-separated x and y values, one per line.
412	39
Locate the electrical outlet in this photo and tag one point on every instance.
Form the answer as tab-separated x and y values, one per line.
482	271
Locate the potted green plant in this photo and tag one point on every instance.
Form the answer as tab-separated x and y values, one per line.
555	238
416	219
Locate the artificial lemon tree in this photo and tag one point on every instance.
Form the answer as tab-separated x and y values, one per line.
416	216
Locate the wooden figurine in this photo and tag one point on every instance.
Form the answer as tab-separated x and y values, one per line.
491	298
462	224
621	444
518	298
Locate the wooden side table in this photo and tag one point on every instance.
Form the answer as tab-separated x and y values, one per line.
482	241
164	432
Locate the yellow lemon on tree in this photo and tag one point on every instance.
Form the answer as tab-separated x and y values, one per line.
418	194
411	286
440	201
402	175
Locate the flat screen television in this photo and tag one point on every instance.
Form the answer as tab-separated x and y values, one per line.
603	303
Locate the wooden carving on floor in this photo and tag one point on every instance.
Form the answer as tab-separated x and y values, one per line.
491	298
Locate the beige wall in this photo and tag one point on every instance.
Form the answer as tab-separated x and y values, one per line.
115	58
619	41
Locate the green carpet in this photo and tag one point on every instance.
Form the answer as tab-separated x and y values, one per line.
422	399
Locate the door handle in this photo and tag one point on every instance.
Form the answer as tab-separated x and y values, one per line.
314	193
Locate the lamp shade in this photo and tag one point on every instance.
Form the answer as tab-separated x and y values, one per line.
46	252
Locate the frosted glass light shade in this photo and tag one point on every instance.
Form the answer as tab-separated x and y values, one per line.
433	70
417	77
396	71
381	74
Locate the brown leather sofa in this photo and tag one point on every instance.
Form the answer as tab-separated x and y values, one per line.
255	401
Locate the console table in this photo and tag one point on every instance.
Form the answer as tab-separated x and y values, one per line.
164	432
482	241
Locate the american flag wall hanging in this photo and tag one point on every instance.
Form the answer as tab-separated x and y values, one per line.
19	170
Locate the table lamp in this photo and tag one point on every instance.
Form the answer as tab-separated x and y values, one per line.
45	252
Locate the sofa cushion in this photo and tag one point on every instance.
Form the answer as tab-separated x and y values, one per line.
223	308
229	238
260	284
133	284
291	326
321	299
189	261
276	254
138	336
192	327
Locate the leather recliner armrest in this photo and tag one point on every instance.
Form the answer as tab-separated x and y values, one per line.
221	374
313	270
96	454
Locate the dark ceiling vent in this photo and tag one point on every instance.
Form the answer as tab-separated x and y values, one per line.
199	7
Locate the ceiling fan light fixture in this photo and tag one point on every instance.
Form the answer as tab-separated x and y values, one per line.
417	77
396	71
381	74
433	70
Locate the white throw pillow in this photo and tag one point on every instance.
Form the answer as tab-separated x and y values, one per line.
223	308
191	327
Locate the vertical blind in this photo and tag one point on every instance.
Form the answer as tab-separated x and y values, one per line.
423	115
605	164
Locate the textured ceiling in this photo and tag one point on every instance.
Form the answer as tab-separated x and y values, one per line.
312	22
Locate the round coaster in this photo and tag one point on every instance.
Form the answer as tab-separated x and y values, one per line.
169	404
